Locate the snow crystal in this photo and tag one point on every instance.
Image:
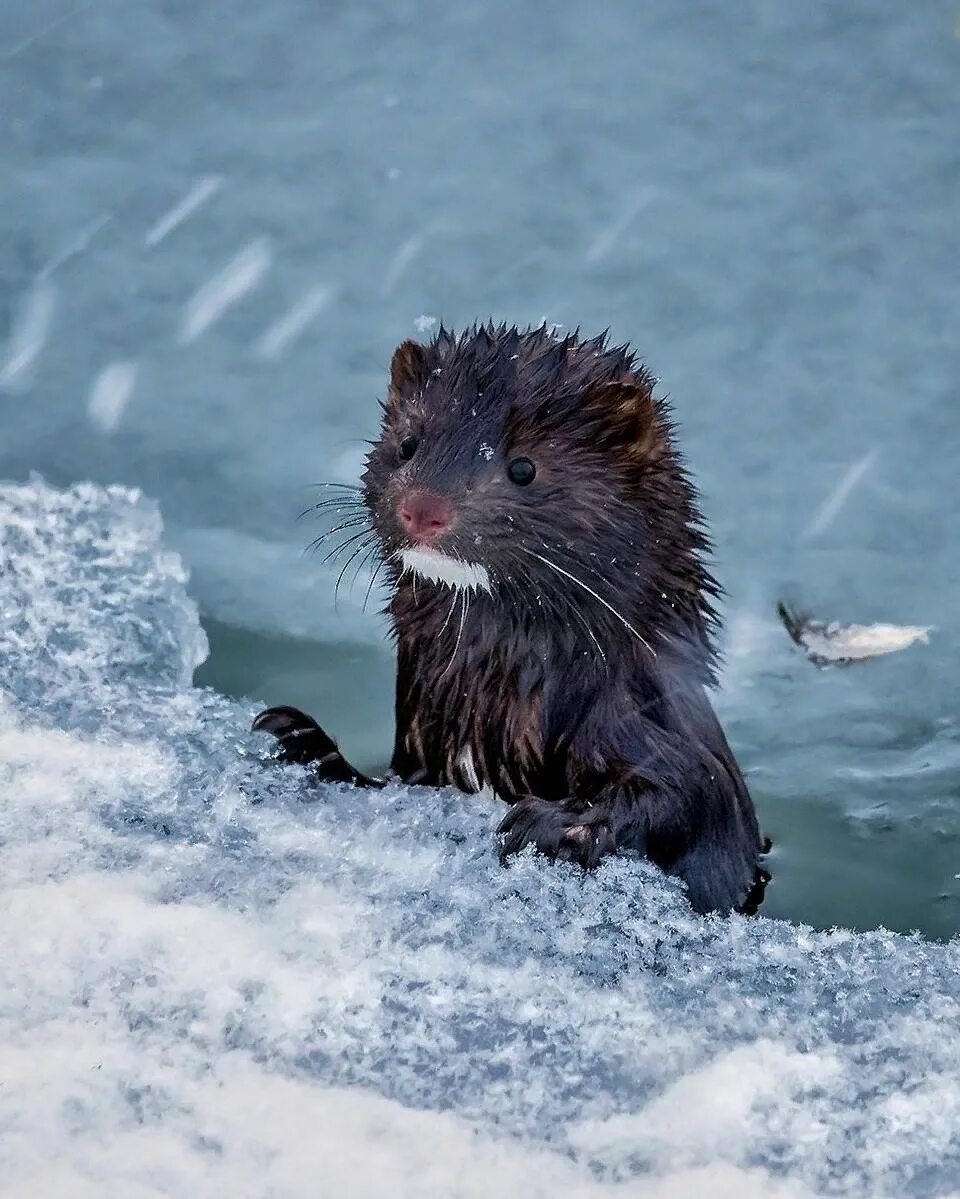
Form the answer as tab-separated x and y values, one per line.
284	331
608	237
831	507
404	256
221	980
79	243
110	394
196	197
227	287
28	335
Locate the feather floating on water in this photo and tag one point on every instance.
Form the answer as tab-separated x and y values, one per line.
834	644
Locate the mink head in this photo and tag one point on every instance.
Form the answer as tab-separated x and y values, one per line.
539	472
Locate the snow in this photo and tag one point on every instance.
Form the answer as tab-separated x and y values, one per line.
405	255
110	395
202	191
28	335
279	336
221	981
832	506
243	273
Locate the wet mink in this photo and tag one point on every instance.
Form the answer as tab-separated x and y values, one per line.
553	615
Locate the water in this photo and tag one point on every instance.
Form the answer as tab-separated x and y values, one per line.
218	983
216	221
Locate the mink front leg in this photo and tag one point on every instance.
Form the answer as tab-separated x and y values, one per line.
570	829
719	864
303	741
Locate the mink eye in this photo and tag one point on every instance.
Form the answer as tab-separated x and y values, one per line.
521	471
408	447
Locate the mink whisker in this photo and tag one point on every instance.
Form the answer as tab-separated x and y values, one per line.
357	514
339	502
599	598
464	593
456	596
364	545
352	523
343	545
354	518
370	585
363	562
556	602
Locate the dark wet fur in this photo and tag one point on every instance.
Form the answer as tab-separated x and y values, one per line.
593	724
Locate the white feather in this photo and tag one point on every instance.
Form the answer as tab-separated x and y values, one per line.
835	642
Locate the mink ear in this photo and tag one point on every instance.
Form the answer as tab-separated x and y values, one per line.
626	419
408	368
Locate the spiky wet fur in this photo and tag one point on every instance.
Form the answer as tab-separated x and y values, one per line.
576	686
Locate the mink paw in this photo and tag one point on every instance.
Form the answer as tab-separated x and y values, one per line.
566	830
303	741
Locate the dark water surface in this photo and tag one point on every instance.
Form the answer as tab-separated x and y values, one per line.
763	199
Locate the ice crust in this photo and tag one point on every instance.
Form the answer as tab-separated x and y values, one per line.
220	981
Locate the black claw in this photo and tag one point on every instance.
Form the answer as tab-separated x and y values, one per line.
301	738
282	721
754	897
568	831
303	741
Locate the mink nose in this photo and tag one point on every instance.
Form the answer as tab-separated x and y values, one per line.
424	517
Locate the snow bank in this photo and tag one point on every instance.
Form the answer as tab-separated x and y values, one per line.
218	982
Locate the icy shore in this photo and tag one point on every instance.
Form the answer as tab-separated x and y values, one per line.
211	986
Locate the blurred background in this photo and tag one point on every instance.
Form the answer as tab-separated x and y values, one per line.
217	220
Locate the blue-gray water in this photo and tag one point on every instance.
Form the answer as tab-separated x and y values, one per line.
762	198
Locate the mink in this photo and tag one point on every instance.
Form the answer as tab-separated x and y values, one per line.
554	616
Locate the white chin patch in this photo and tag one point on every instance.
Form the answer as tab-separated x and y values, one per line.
441	568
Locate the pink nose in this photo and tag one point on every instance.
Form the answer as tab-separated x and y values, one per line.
423	516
